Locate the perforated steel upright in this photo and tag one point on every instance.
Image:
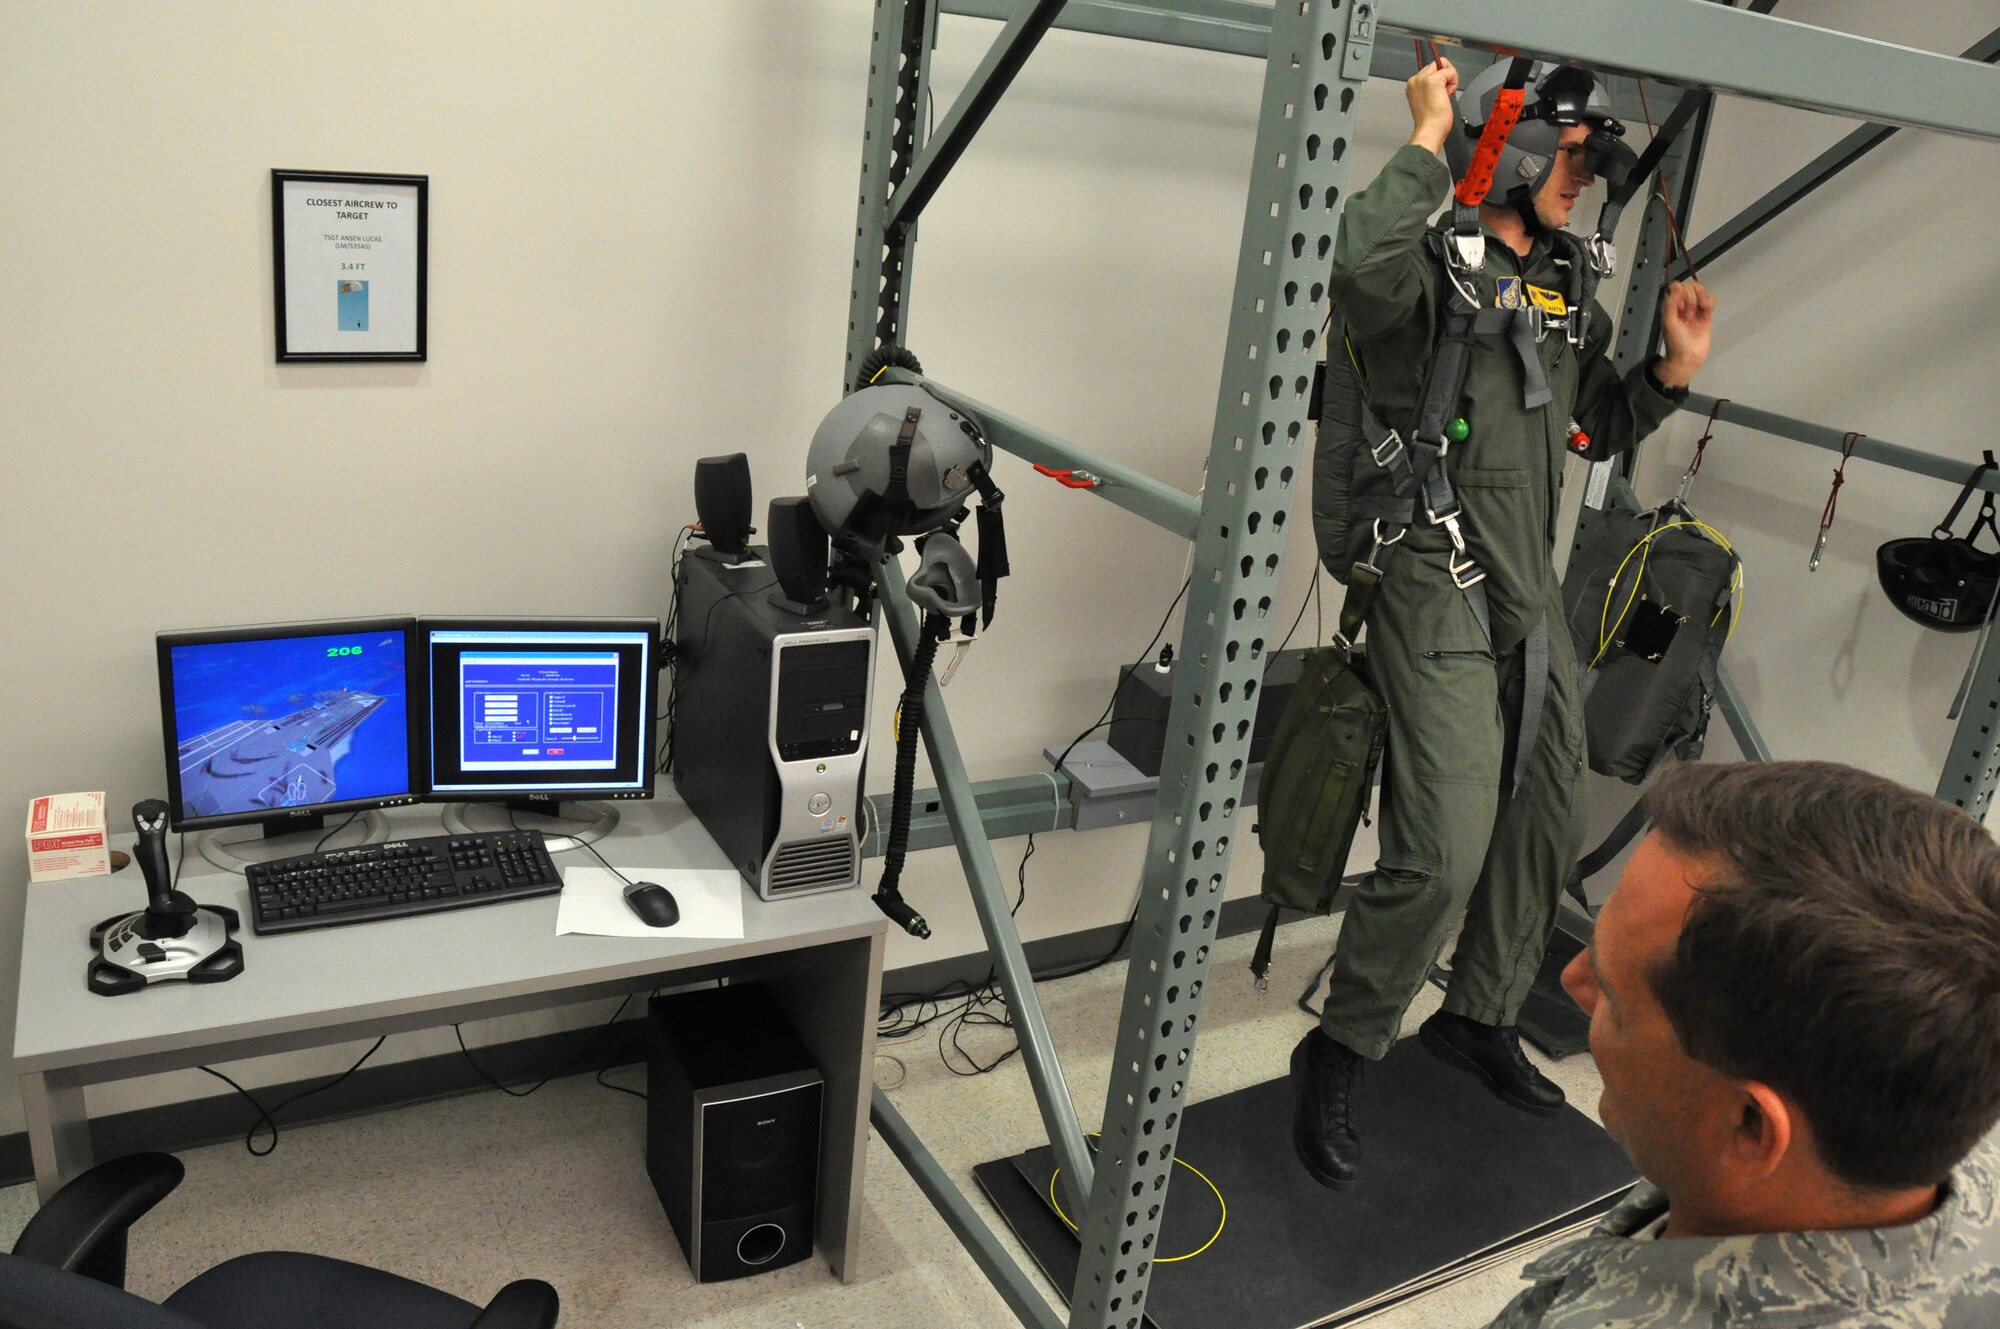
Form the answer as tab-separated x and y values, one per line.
898	80
1319	60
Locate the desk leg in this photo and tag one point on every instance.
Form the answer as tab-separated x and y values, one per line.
58	1130
832	994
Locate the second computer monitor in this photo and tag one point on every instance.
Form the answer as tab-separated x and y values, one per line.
539	711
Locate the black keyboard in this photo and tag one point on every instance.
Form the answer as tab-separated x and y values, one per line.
397	879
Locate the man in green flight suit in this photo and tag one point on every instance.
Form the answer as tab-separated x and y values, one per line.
1470	828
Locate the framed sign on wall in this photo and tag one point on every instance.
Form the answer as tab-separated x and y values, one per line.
351	259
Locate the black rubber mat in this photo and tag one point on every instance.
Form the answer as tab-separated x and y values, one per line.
1454	1179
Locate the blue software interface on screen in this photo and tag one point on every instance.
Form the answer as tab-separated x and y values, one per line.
263	724
538	709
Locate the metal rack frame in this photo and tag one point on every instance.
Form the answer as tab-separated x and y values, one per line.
1318	54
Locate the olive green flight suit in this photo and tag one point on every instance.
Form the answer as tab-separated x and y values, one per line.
1454	841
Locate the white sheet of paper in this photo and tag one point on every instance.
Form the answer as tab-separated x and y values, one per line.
593	902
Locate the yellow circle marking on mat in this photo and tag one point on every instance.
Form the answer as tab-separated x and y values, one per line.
1164	1259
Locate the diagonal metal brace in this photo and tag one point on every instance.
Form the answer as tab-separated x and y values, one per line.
1133	490
989	899
1004	59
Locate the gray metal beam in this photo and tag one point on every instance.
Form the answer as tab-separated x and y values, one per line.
899	55
1749	739
1697	44
1814	174
1639	322
1972	767
1239	27
1319	60
989	900
1233	27
1015	805
1954	470
1120	485
1008	1278
982	92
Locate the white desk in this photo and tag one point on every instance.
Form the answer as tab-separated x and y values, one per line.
820	954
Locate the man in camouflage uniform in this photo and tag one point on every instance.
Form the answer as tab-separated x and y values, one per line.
1471	832
1794	996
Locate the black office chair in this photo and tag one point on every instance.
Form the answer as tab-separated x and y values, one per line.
67	1271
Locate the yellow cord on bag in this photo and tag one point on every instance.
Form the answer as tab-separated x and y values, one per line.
1165	1259
1356	363
1606	626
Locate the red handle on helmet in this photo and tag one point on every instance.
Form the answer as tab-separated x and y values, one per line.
1478	181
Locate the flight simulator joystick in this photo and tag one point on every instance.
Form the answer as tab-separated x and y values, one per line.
172	937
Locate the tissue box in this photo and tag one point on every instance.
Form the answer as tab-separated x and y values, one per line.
66	837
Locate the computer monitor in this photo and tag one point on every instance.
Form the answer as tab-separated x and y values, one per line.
286	723
539	712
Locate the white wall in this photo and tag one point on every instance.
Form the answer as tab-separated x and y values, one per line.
1867	307
641	234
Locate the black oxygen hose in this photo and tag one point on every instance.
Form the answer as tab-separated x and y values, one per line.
881	358
911	719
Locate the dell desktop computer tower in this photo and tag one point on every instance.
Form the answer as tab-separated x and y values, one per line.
770	725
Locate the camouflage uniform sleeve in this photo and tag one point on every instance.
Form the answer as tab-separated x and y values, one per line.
1526	1311
1378	258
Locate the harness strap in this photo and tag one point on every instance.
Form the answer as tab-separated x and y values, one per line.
1944	529
1534	699
1475	598
1535	389
898	488
1354	607
992	564
1385	445
1594	862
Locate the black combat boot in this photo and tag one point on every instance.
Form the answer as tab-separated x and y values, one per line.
1325	1075
1495	1056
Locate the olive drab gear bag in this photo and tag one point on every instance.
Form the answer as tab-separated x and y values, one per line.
1651	598
1356	476
1322	760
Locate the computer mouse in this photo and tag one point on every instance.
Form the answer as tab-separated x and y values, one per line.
653	903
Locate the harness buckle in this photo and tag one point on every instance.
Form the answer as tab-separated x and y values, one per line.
1388	450
1467	253
1465	572
1449	520
1603	255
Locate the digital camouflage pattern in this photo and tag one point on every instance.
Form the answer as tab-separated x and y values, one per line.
1942	1272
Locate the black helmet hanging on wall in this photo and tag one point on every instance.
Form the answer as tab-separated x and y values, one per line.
1945	580
1555	96
1941	583
892	461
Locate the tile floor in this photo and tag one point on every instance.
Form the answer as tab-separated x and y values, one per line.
474	1191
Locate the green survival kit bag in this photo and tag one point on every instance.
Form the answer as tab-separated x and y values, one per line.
1317	773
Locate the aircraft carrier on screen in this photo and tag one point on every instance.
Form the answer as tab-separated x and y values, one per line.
258	763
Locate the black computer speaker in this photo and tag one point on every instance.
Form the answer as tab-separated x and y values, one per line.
732	1129
798	555
722	503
